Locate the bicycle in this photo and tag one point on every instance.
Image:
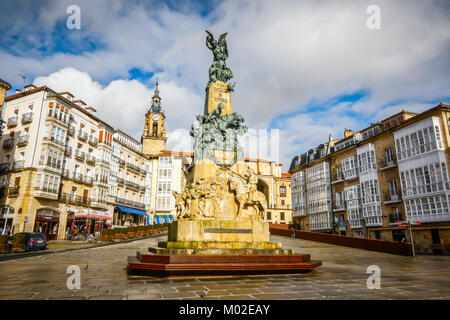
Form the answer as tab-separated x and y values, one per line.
91	239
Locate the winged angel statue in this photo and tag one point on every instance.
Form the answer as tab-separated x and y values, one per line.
218	71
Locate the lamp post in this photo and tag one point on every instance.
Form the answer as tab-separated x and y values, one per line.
408	224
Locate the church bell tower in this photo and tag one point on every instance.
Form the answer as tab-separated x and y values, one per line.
154	137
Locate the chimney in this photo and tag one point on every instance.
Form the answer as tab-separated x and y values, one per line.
348	133
91	110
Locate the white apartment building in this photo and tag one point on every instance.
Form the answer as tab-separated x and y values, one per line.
298	189
319	196
423	171
369	186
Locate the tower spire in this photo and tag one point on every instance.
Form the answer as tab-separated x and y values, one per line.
156	100
154	138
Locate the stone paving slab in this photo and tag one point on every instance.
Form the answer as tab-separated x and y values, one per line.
342	276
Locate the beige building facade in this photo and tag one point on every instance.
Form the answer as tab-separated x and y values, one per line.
62	167
394	171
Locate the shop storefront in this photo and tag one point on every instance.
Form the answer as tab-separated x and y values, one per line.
128	217
47	222
89	219
6	218
163	218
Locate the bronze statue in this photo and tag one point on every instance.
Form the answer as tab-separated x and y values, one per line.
218	71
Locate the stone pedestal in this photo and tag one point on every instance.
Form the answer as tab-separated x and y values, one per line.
216	93
189	230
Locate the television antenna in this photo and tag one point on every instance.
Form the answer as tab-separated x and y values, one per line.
24	79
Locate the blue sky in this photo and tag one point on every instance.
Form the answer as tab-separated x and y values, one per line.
307	68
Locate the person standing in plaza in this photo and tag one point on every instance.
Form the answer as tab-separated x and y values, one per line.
293	232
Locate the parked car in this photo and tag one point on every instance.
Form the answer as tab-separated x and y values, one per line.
33	240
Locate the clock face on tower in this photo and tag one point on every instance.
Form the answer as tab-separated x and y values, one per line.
155	117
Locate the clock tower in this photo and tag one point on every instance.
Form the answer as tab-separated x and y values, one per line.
154	137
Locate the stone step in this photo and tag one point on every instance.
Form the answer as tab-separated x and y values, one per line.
219	251
148	257
218	245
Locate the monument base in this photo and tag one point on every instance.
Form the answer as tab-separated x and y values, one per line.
166	265
203	246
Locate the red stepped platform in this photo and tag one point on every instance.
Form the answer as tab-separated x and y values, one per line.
165	265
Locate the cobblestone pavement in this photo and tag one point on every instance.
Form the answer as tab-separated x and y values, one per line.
342	276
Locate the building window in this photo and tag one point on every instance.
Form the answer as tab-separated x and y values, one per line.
389	156
283	191
349	166
282	216
269	215
359	234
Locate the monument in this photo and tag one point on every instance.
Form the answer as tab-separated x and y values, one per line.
219	224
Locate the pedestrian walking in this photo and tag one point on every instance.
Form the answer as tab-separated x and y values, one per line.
293	233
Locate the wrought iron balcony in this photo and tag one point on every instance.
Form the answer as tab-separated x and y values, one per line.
103	161
88	179
74	199
139	205
337	177
122	162
65	173
121	200
90	159
131	184
93	140
388	163
396	217
101	179
133	167
130	203
388	197
23	140
120	180
71	131
82	135
68	151
79	155
14	191
12	122
4	167
78	176
18	164
8	143
27	117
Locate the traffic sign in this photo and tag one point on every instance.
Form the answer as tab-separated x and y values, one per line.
25	219
407	223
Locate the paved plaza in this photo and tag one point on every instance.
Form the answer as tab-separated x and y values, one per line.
342	276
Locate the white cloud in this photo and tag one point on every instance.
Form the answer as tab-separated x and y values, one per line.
283	56
123	103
